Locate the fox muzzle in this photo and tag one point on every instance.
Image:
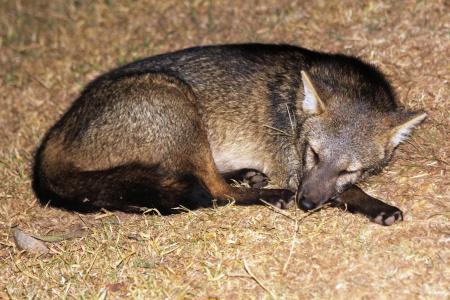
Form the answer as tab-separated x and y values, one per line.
318	186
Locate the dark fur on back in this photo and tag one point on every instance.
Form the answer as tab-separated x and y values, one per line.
233	69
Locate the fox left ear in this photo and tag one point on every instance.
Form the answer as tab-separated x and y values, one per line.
401	132
312	104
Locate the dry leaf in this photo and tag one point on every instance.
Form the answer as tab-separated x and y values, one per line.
29	243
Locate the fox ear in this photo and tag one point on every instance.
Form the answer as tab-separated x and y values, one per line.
401	132
311	102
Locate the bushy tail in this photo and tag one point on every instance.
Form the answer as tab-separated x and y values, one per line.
127	188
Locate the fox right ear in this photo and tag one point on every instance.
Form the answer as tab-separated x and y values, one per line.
408	122
311	102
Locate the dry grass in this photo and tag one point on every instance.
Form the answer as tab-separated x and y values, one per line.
50	49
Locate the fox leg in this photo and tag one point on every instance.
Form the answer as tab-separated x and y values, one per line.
356	200
219	189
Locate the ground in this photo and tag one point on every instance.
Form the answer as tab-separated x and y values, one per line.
51	49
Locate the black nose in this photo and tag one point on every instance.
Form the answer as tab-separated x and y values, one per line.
306	204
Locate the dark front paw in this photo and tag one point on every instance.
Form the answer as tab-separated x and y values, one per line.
279	198
389	216
255	179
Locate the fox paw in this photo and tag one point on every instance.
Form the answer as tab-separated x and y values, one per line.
283	204
255	179
279	198
389	217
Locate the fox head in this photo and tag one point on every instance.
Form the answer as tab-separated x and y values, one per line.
345	140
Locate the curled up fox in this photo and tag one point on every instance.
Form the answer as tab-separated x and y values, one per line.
154	132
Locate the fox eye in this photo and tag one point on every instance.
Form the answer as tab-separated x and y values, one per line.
346	172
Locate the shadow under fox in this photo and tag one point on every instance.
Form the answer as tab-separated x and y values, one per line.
154	132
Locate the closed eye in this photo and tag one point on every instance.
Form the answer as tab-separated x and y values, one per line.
347	172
